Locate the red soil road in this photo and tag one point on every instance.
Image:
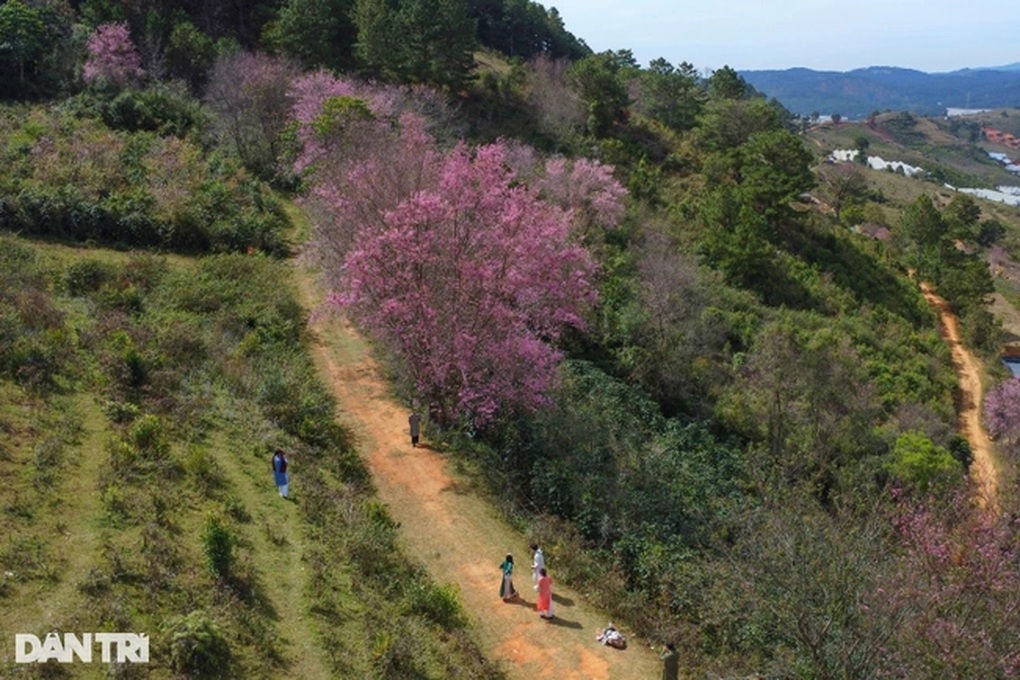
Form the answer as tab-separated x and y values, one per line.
456	534
968	371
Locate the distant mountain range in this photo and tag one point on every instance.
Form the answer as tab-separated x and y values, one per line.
855	94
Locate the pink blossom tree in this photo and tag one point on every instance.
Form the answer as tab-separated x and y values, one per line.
459	269
112	56
470	282
959	578
328	136
1002	412
587	189
454	260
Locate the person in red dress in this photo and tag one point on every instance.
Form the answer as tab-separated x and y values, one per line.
544	604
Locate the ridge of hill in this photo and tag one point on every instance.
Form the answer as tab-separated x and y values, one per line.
856	94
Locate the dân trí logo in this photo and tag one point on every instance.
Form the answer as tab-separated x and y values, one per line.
113	647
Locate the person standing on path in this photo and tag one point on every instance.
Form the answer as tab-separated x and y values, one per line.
670	662
544	603
414	421
506	586
280	472
537	564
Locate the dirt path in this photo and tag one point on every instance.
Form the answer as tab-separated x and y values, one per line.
968	370
455	533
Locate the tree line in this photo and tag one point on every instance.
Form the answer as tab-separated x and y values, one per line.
427	41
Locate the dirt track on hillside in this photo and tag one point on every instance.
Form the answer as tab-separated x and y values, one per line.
968	371
455	533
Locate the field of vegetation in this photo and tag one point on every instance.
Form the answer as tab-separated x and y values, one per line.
635	299
143	395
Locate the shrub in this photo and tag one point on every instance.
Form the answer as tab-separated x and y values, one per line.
87	276
235	509
114	504
166	109
922	465
48	455
198	645
218	543
149	439
440	604
201	467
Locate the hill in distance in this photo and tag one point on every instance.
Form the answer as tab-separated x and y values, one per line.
856	94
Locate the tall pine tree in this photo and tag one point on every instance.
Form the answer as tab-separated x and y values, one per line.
416	41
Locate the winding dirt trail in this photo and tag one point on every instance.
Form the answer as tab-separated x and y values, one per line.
968	370
454	532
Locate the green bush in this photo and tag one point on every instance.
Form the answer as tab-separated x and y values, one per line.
115	504
198	646
440	604
166	109
149	438
87	276
922	465
218	543
200	465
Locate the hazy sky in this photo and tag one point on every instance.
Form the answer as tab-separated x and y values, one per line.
928	35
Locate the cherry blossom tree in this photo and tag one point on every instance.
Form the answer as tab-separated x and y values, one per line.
112	56
458	268
362	153
587	189
1002	412
959	578
470	282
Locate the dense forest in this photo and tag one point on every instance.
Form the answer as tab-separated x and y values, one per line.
631	295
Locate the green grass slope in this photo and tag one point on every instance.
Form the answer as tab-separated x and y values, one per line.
140	398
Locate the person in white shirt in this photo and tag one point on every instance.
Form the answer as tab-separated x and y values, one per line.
537	564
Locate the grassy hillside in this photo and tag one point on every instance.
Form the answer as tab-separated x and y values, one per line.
918	141
140	399
954	152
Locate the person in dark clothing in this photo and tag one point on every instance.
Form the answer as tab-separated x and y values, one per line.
670	663
280	472
414	420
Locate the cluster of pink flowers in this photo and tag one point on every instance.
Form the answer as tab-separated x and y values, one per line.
466	270
112	56
1002	411
587	189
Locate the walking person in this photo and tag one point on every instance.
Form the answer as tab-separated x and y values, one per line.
537	564
544	603
506	586
670	662
414	421
280	472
